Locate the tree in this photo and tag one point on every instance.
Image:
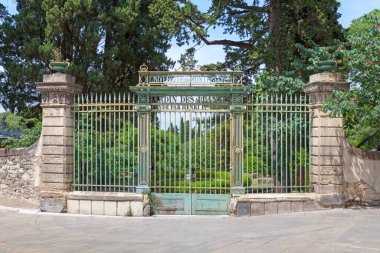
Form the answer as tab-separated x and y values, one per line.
266	31
22	59
106	42
361	104
187	60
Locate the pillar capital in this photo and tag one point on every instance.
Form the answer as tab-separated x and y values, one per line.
322	85
57	89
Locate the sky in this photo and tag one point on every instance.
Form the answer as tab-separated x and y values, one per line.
349	9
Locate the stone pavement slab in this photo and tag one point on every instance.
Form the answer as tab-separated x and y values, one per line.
339	230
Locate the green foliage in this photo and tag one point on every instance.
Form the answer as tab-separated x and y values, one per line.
361	105
22	58
187	60
270	82
266	30
106	42
29	128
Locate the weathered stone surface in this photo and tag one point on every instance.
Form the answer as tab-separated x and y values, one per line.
310	206
85	206
328	189
57	141
327	179
123	208
327	160
296	206
20	173
147	211
257	208
58	168
327	132
328	170
326	151
137	208
110	208
57	177
106	196
57	131
58	78
64	111
58	159
326	141
325	77
52	205
97	207
243	209
328	122
57	121
271	208
284	207
57	150
73	206
331	200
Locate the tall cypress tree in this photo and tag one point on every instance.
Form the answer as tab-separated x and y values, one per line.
106	42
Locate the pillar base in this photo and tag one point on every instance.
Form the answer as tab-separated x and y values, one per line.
53	202
237	190
331	200
140	189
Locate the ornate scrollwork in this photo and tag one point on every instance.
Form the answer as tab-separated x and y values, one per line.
144	67
237	99
143	149
238	149
143	79
143	99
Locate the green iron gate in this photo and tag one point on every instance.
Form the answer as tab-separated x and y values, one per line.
188	120
193	139
190	165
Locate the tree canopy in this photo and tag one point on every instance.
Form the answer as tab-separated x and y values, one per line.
106	42
264	32
361	105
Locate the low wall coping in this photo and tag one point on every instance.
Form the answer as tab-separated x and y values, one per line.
277	197
372	155
105	196
4	152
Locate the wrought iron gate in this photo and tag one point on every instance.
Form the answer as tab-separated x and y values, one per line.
193	139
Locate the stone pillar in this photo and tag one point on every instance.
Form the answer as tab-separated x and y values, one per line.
236	144
57	91
143	110
326	141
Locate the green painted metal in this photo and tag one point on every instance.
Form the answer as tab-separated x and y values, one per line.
189	78
277	143
194	138
210	204
192	204
187	144
105	143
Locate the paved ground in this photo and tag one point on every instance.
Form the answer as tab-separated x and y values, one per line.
340	230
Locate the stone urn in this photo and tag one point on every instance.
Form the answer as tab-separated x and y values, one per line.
326	65
59	66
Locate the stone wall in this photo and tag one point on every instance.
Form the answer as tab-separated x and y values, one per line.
20	176
361	175
263	204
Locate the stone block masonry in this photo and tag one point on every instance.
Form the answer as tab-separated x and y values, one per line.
106	203
327	138
361	176
57	92
265	204
20	176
